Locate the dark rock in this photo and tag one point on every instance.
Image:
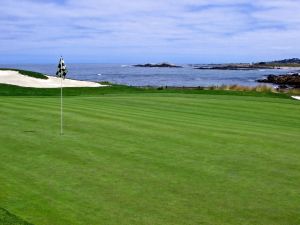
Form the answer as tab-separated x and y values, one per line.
283	86
163	65
286	79
264	80
262	63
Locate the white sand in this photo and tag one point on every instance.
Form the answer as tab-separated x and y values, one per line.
296	97
15	78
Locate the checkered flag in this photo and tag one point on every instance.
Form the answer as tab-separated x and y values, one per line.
61	72
62	69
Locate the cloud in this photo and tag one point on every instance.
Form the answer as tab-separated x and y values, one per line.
142	30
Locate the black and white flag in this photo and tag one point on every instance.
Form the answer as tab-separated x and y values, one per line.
62	69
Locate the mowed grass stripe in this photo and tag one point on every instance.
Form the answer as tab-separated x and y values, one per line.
120	116
219	113
125	161
166	123
227	129
239	105
218	108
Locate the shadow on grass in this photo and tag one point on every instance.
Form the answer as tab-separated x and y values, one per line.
7	218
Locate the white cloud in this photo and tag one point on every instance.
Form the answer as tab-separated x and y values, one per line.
190	29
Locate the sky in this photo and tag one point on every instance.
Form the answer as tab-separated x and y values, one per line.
142	31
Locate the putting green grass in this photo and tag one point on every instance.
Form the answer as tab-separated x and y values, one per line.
6	218
151	158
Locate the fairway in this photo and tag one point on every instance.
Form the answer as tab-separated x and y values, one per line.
151	159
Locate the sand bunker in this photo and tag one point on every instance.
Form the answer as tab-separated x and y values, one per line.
15	78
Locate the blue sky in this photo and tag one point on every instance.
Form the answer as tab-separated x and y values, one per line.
132	31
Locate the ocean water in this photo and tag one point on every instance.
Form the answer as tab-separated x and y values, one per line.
137	76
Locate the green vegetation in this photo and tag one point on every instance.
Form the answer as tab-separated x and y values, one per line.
10	90
147	156
28	73
7	218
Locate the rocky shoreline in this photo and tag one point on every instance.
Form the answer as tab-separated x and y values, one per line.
291	80
235	67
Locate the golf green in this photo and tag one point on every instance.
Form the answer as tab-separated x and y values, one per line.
150	158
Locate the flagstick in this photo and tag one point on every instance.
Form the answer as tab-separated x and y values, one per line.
61	106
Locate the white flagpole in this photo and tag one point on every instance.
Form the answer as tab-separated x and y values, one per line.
61	104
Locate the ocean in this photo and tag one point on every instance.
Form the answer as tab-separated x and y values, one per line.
138	76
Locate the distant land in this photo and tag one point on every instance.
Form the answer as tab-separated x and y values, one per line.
288	80
234	66
294	62
278	64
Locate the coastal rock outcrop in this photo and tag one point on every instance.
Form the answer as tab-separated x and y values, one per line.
161	65
292	80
